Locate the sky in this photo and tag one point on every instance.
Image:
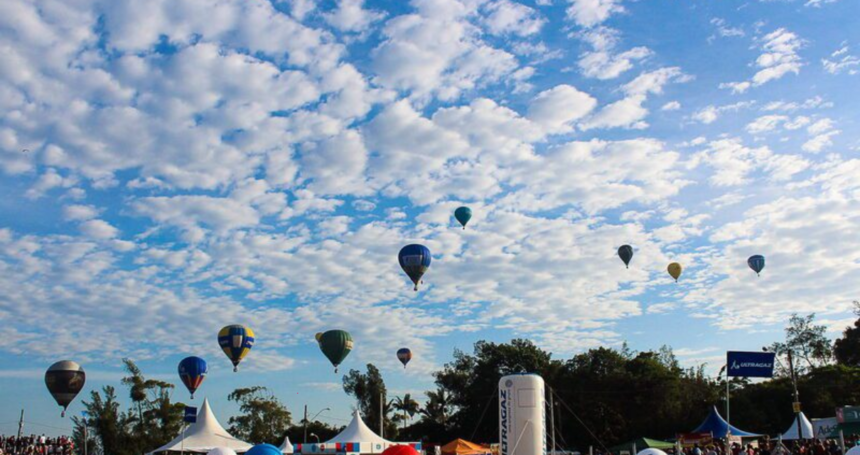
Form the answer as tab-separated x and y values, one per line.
169	168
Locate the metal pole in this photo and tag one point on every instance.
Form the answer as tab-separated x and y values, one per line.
305	439
182	444
796	397
552	418
381	414
842	441
21	425
728	406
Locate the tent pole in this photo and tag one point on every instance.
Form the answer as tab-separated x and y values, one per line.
552	418
728	409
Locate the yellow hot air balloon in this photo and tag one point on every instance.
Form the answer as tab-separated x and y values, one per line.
318	336
675	270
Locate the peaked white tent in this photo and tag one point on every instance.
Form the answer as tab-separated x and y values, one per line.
287	446
203	436
356	438
805	425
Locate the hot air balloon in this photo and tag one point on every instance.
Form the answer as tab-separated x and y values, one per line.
625	252
236	341
675	270
335	344
192	371
65	379
463	215
414	260
756	263
404	355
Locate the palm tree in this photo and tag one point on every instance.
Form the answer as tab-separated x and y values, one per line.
407	406
437	407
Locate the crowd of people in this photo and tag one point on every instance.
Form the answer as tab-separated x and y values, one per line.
36	445
805	447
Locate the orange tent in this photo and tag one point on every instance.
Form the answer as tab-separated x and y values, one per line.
463	447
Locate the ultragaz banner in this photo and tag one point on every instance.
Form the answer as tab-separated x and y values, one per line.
750	364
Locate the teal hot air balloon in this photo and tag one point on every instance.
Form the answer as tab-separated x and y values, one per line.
336	345
756	263
463	215
625	252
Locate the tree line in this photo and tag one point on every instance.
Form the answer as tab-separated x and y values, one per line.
603	396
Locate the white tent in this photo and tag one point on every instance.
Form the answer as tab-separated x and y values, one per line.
287	446
204	435
805	425
356	438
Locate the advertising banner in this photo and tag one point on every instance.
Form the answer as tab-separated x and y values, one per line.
750	364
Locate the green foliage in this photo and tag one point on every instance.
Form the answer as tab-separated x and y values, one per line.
847	349
369	390
807	343
264	419
153	421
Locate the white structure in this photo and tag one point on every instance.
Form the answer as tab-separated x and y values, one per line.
204	435
356	438
651	452
853	451
805	425
522	415
287	446
221	451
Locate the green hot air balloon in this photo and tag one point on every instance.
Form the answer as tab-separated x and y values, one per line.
463	215
336	345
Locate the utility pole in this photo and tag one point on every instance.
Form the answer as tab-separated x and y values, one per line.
381	414
21	425
796	403
552	418
305	439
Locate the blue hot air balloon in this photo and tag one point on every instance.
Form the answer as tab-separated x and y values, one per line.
414	260
756	263
463	215
264	449
192	371
404	355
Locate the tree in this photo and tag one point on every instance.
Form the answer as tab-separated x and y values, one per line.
807	342
407	407
108	424
847	349
369	390
264	419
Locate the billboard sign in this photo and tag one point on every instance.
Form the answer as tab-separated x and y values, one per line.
750	364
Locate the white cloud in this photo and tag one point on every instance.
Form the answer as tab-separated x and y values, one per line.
603	62
509	17
350	16
823	132
842	62
80	212
99	229
733	163
779	57
588	13
724	30
557	108
710	114
671	106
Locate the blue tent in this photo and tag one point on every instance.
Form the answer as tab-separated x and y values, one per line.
718	427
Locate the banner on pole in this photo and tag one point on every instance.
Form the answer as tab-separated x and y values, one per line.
848	414
691	439
750	364
190	414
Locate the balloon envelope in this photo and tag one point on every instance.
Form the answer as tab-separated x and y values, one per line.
65	379
264	449
625	252
221	451
236	341
336	345
463	215
651	452
192	371
674	270
414	260
404	355
400	450
756	262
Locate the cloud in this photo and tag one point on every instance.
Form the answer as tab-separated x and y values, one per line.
842	62
508	17
603	62
350	16
557	108
710	114
733	162
779	57
671	106
588	13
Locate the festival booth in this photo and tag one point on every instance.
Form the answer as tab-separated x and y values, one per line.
356	438
806	428
719	428
464	447
634	446
204	435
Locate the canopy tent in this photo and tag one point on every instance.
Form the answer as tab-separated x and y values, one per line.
718	427
203	436
355	438
805	425
287	446
640	444
464	447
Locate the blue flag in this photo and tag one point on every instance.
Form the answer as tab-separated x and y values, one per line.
750	364
190	414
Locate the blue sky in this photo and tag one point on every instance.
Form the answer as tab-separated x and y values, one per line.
168	170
